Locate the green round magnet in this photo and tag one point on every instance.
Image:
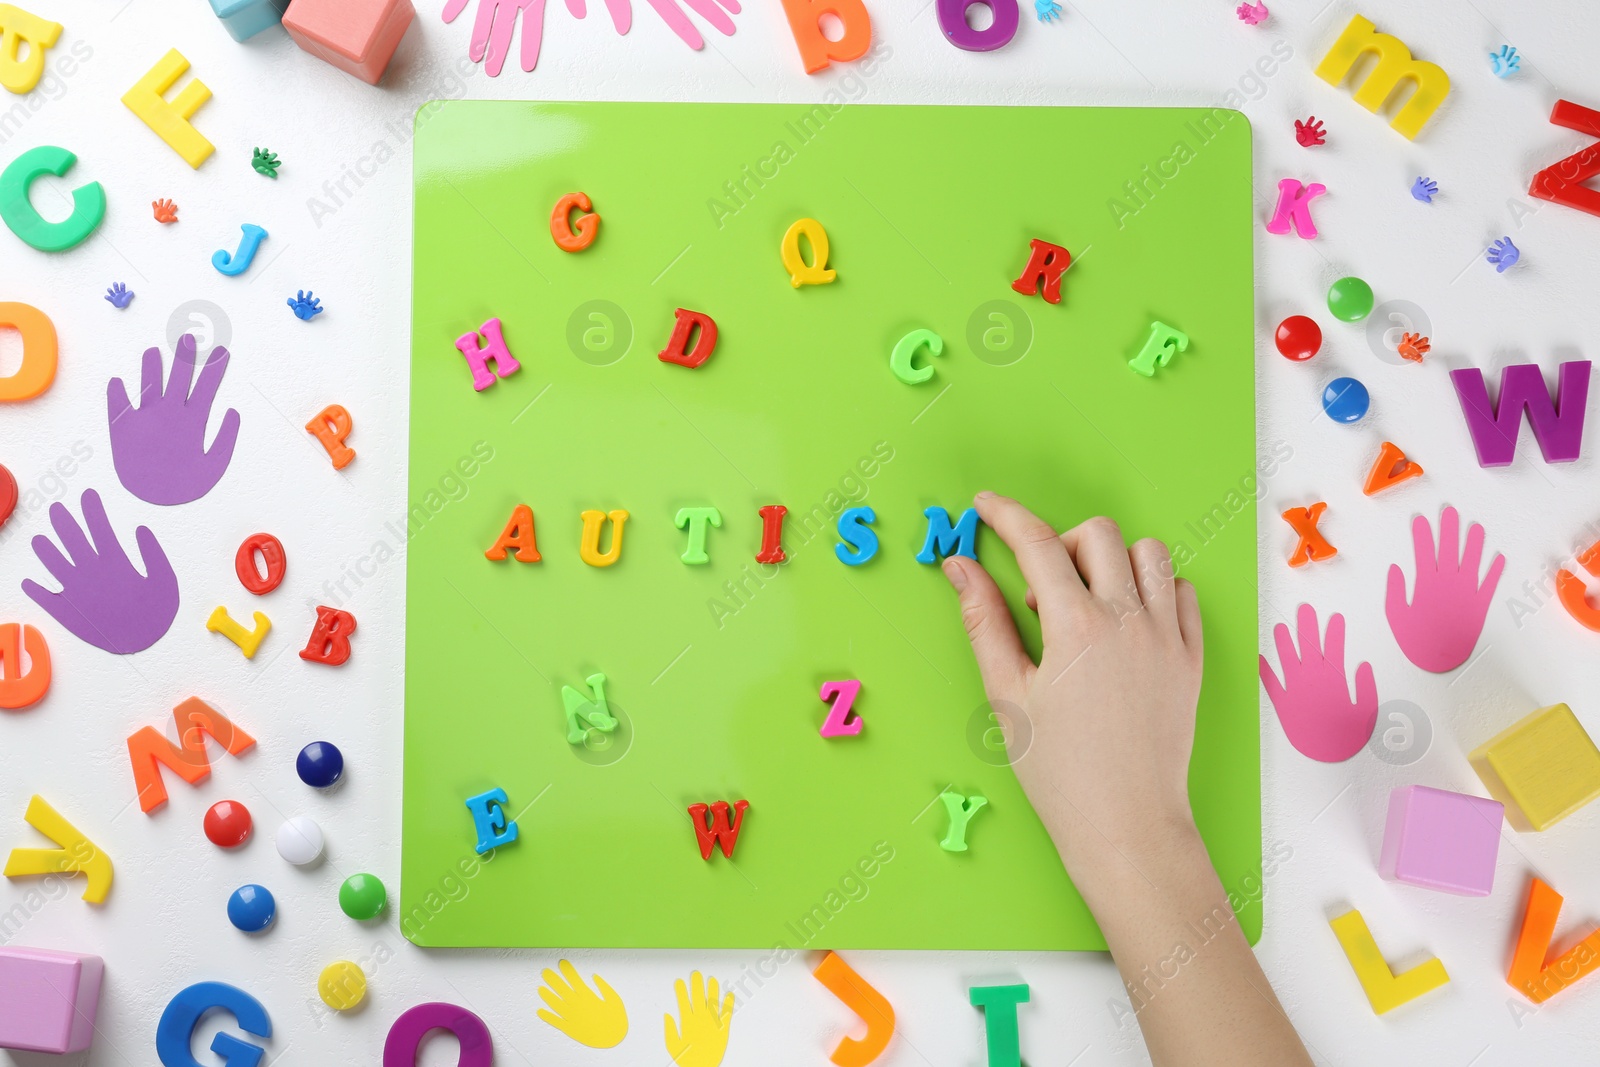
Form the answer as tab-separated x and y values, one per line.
1350	299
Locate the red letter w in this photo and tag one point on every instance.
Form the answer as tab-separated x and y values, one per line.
719	832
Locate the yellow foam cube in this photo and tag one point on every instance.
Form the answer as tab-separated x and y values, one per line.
1543	768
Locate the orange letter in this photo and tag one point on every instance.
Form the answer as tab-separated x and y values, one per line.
561	224
1530	975
18	689
38	368
148	749
331	426
518	534
843	982
816	51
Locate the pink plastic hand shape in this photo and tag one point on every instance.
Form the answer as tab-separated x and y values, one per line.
159	448
1313	700
1439	628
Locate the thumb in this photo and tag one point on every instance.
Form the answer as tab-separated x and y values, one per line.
1002	660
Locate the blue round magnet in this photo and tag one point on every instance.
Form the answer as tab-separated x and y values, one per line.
1346	400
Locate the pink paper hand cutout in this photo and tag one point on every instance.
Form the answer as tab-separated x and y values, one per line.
496	21
159	447
1439	628
103	599
1313	700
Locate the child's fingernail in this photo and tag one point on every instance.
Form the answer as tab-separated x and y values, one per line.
953	571
985	495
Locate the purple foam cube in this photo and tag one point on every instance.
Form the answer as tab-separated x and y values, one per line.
48	999
1441	840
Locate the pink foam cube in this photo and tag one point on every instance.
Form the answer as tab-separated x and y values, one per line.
357	36
48	999
1441	840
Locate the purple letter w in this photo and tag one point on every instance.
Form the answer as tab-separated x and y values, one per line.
1557	426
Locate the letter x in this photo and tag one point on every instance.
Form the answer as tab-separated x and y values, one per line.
1312	546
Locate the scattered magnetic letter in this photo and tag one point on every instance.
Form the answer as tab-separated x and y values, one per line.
412	1028
19	214
1573	593
859	541
945	540
1564	182
593	709
1395	65
697	519
1385	990
478	356
1389	469
874	1009
19	688
1294	206
816	51
1046	264
517	535
961	810
238	262
77	854
489	818
330	427
272	557
906	349
18	27
800	272
717	831
175	1031
149	750
1557	424
1312	545
38	367
842	720
772	534
566	237
1163	343
248	641
684	324
999	1004
170	119
330	637
589	547
1530	975
959	32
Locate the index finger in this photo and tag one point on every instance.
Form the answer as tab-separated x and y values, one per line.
1040	554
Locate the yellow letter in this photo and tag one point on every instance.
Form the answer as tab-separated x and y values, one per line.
170	119
801	272
77	853
222	623
16	28
589	549
1394	64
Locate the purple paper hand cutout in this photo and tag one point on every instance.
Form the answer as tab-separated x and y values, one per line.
1313	700
1439	628
103	599
496	21
159	447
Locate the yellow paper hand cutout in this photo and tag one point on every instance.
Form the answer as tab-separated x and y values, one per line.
599	1021
704	1029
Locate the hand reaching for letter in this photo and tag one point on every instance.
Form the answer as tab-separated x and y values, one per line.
599	1021
159	448
1439	628
1313	700
103	599
702	1037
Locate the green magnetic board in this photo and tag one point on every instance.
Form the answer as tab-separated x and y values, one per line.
716	668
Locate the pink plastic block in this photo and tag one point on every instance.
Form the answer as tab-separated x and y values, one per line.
48	999
357	36
1441	840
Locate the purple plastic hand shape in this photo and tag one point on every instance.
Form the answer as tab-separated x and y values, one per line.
103	599
1439	628
159	447
1313	700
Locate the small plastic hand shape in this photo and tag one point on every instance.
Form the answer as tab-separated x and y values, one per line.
1439	628
305	306
1313	700
702	1037
118	296
1047	10
265	162
103	599
1308	133
599	1021
159	448
1251	14
1503	254
1413	346
166	210
1505	62
1424	189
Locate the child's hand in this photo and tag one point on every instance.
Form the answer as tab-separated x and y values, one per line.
1112	702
